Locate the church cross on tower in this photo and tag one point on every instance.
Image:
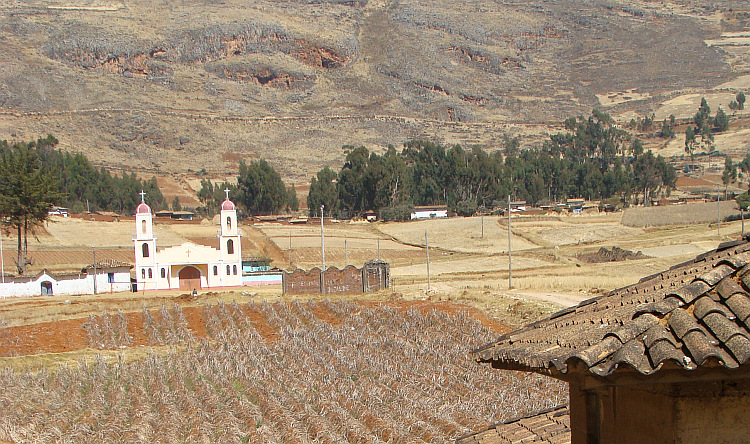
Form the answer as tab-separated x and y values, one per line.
226	190
143	196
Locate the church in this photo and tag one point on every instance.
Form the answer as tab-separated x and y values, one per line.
188	266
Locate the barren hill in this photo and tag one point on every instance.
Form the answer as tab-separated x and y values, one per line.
176	85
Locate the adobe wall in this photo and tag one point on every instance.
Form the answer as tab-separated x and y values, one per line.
374	276
677	413
346	281
302	282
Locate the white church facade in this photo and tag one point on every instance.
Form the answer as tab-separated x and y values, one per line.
188	266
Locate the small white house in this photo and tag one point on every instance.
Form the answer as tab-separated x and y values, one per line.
429	212
58	211
102	277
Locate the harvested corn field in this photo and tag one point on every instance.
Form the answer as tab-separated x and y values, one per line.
285	372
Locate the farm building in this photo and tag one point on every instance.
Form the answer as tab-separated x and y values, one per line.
664	360
257	271
187	266
102	277
58	211
429	212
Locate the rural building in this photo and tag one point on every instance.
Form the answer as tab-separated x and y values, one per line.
58	211
370	216
664	360
187	266
257	271
429	212
103	277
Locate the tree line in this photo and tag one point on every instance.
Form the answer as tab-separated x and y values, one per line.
259	191
35	176
593	159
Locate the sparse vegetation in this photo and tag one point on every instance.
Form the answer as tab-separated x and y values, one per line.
328	372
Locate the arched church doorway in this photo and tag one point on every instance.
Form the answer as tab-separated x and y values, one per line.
190	278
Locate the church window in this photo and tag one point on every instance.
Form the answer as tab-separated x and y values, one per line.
150	274
143	227
216	270
143	273
234	270
230	246
229	222
163	273
110	278
144	247
227	270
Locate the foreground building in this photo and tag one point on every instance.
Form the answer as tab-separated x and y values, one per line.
188	266
663	361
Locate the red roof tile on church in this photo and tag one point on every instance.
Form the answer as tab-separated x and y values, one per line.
227	205
143	208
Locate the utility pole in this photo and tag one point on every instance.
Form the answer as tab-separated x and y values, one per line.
378	248
482	222
290	249
323	253
718	210
2	263
93	251
510	262
427	247
742	215
346	254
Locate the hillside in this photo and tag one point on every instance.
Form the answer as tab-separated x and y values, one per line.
177	85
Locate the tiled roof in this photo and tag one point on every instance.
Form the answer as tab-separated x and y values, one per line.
549	426
108	263
694	313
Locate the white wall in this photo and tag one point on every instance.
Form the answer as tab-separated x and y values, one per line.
74	285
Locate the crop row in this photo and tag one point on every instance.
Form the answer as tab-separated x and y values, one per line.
378	375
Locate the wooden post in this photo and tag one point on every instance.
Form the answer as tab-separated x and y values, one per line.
510	261
427	247
323	254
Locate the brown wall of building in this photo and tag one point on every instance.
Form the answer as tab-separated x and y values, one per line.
674	413
715	412
374	276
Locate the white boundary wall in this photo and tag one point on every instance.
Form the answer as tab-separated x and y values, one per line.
67	285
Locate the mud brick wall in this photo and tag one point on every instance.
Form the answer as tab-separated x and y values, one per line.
302	282
376	276
373	276
346	281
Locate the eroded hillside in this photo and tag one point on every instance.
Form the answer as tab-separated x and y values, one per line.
176	85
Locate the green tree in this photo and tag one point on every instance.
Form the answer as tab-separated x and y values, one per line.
292	202
323	191
740	100
721	121
690	142
261	190
27	192
176	204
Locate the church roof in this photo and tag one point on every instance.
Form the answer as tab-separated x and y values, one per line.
142	208
227	205
693	314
